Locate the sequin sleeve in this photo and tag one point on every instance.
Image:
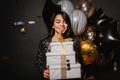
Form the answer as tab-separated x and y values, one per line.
40	61
76	45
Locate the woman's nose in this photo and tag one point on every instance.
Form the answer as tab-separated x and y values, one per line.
62	24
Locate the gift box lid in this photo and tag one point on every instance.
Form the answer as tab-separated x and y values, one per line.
58	43
59	53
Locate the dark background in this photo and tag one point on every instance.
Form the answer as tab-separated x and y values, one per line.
18	50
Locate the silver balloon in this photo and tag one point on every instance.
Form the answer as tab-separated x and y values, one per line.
78	21
66	6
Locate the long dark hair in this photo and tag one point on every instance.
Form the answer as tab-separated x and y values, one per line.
68	33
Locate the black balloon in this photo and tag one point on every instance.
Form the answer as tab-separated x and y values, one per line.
48	10
118	27
109	41
99	19
111	38
107	32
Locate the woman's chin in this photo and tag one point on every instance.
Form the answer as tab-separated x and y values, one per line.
60	32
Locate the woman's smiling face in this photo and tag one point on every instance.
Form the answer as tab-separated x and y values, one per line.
59	24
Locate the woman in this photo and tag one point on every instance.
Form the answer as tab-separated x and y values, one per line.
60	23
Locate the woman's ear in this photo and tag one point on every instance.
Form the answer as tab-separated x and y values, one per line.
52	26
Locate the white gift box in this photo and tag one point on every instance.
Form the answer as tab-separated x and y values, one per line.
61	61
56	46
55	58
56	72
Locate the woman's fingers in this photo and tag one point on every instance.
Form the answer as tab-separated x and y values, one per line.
46	72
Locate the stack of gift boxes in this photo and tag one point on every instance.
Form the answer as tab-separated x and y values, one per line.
61	61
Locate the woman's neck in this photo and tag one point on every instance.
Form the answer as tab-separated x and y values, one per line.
57	37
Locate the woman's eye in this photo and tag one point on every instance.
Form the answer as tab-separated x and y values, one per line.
57	21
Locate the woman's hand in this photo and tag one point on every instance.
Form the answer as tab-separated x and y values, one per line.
46	72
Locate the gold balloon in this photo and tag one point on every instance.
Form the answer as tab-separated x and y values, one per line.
89	52
92	8
87	6
89	33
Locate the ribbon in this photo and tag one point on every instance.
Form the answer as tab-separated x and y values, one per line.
63	62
